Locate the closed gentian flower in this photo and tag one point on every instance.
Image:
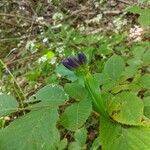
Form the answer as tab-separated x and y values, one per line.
73	63
81	58
66	64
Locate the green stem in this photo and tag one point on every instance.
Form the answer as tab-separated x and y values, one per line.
22	97
94	91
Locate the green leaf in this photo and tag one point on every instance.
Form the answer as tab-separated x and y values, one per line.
95	94
70	75
8	104
146	102
102	78
114	67
120	137
126	108
134	9
34	131
130	71
145	81
74	90
146	57
96	144
51	95
63	144
144	18
76	115
74	146
81	136
108	86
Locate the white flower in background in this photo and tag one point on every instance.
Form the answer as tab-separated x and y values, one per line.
30	45
57	16
60	49
97	4
42	59
81	27
39	19
45	40
53	60
95	19
136	33
119	22
21	7
103	56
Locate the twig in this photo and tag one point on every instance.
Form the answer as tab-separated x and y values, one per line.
124	1
114	12
75	12
16	16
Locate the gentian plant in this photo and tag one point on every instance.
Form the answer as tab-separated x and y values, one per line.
121	126
122	120
79	66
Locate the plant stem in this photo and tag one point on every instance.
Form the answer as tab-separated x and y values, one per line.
22	96
94	91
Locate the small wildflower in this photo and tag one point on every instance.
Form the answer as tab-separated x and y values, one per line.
60	49
73	63
45	40
53	60
42	59
39	19
82	58
58	16
136	33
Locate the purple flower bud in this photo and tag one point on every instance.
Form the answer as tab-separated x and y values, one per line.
81	58
66	64
73	62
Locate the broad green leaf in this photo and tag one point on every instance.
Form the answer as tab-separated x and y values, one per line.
102	78
134	9
138	51
75	90
95	94
74	146
63	144
126	108
144	14
109	85
120	88
146	57
135	62
144	18
81	136
145	81
122	137
146	102
64	72
114	67
96	144
8	104
34	131
76	115
130	71
51	95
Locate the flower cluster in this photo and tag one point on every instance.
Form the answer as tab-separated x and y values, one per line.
136	33
72	63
